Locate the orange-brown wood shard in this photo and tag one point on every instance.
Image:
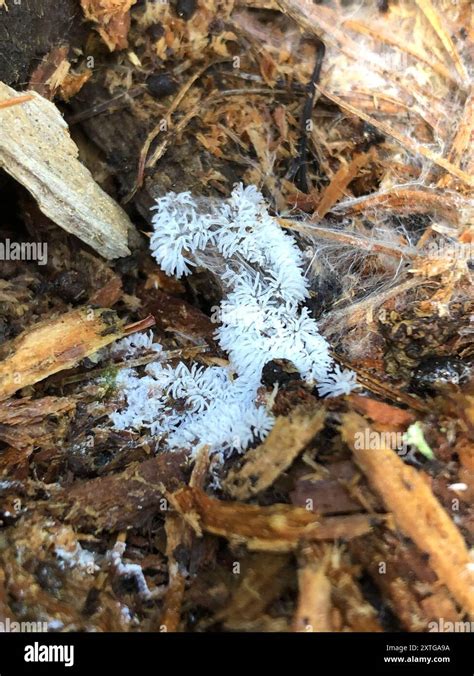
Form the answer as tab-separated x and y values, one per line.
262	465
413	146
123	500
16	100
113	19
407	494
341	179
54	345
278	527
313	610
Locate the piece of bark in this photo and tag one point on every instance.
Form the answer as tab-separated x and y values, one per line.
178	317
55	345
32	28
28	411
36	149
264	464
407	494
380	412
14	462
325	496
278	527
179	538
406	583
124	500
48	77
26	423
177	534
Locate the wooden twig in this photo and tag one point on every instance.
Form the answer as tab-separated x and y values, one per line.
298	170
15	101
339	182
412	146
377	387
349	238
377	33
435	20
163	123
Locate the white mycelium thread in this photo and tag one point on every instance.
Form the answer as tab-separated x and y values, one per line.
260	267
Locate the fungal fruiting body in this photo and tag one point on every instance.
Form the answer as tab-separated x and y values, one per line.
260	268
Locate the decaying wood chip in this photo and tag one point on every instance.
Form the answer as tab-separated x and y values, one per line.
326	496
263	578
27	411
54	345
382	413
14	462
123	500
275	528
50	74
407	494
347	596
25	423
179	537
313	610
177	534
407	584
36	149
264	464
406	201
113	19
339	182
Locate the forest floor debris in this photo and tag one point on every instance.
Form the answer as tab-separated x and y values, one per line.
355	120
